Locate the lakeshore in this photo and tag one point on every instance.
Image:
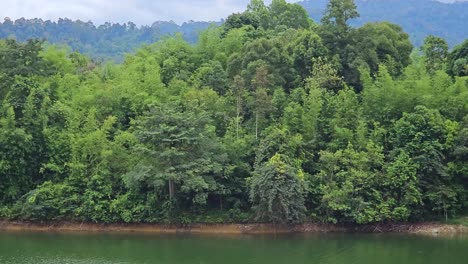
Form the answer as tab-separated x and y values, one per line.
428	228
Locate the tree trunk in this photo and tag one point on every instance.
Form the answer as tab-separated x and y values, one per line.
237	124
171	190
256	125
445	212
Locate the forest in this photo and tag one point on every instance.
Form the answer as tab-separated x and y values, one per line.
270	118
110	41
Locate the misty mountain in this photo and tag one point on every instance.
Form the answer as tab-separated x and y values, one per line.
107	41
419	18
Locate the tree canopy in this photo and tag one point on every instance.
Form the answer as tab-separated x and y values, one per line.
268	118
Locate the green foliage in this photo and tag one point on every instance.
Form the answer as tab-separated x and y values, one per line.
460	221
49	201
113	41
277	192
458	60
15	144
435	51
179	153
336	34
269	118
425	136
383	43
401	187
338	13
347	184
109	41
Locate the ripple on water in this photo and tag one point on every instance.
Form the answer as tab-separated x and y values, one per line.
57	260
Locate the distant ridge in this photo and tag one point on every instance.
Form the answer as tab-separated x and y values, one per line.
418	18
103	42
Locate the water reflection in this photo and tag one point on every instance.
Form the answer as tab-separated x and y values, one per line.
42	248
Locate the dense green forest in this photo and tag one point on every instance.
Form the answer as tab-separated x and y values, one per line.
111	41
268	118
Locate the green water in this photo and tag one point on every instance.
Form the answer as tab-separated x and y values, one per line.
43	248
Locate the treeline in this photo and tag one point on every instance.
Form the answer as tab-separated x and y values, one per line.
110	41
269	118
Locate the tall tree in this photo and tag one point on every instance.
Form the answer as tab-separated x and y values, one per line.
262	100
335	23
277	192
336	35
179	153
435	52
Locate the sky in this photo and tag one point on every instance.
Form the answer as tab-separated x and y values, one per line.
141	12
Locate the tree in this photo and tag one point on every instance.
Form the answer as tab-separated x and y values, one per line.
383	99
337	37
324	76
240	20
277	192
382	43
336	30
339	12
20	59
287	14
262	101
401	188
346	119
425	136
15	144
179	153
458	60
435	52
306	47
238	87
211	75
347	185
458	167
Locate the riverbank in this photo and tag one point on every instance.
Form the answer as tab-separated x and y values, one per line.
413	228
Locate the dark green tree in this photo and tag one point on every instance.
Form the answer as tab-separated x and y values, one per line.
435	50
382	43
180	156
458	60
277	192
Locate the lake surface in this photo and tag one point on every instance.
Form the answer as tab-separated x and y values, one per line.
42	248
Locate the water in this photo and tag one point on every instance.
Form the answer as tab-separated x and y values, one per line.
41	248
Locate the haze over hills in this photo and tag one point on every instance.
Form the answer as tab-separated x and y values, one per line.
107	41
418	18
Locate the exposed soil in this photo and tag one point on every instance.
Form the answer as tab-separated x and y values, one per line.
414	228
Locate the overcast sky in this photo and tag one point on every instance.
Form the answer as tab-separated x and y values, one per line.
138	11
141	12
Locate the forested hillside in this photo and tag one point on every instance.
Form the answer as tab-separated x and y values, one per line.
419	18
110	41
269	118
